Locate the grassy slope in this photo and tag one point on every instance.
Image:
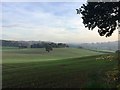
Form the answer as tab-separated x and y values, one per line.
31	55
74	72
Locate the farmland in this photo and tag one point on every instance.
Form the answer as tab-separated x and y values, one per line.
15	55
60	68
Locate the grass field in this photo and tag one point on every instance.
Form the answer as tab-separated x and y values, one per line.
61	68
15	55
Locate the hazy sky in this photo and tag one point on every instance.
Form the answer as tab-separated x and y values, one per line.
47	21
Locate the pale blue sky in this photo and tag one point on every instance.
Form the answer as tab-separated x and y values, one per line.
46	21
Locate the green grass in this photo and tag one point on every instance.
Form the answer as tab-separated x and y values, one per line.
61	68
34	55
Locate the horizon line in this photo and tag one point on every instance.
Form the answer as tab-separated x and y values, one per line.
60	42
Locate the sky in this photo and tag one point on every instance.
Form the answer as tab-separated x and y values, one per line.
47	21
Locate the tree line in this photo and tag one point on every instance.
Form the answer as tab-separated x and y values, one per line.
32	44
54	45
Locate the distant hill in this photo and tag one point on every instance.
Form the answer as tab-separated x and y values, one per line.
113	46
32	44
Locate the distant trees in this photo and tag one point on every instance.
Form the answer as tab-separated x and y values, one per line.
54	45
22	47
80	47
9	43
37	45
113	46
49	45
118	51
19	44
33	44
61	45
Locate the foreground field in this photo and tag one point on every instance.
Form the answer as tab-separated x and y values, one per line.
62	68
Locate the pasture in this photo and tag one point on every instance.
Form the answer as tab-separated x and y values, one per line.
60	68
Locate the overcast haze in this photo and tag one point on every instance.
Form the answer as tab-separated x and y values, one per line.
47	21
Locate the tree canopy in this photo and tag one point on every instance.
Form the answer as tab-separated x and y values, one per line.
103	15
48	47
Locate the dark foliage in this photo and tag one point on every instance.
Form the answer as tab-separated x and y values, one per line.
48	47
103	15
118	51
31	44
10	43
37	45
54	45
22	47
61	45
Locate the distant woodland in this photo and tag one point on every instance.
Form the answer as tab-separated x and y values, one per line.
41	44
31	44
